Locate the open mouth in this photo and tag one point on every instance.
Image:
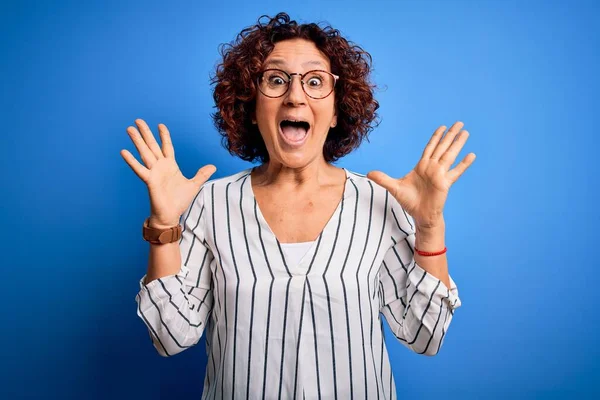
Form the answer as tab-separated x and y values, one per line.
294	132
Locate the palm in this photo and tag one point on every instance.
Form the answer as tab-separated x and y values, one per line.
170	192
415	190
169	189
422	193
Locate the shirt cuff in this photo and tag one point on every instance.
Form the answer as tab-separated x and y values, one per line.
427	283
183	273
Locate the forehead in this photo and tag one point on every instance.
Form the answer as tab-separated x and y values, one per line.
297	54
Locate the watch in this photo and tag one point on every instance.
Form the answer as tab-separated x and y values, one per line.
160	236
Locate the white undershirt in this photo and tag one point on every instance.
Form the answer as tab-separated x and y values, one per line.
295	251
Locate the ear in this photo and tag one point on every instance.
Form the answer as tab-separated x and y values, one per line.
334	121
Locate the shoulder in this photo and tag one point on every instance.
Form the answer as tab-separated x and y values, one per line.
204	193
365	187
218	183
383	203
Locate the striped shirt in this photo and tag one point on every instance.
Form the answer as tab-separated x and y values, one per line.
297	330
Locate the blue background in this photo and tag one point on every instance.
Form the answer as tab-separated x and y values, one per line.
521	222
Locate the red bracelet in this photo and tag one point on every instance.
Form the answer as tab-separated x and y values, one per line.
425	253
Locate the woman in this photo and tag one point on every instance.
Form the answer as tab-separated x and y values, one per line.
287	267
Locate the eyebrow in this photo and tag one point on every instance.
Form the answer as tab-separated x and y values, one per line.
281	62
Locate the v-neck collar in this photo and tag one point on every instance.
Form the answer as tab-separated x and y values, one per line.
303	267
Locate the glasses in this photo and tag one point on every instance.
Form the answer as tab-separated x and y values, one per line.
317	84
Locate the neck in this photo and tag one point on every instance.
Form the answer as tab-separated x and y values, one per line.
310	176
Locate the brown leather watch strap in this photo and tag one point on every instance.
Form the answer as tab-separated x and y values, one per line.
160	236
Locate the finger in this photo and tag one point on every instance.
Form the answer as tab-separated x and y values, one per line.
141	171
165	139
149	138
447	159
457	171
147	156
447	140
203	174
384	180
433	142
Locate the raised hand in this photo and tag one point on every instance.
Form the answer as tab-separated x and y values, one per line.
424	190
170	192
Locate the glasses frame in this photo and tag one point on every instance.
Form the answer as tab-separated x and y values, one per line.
302	83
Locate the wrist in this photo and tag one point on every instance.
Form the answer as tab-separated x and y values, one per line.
434	229
156	223
430	239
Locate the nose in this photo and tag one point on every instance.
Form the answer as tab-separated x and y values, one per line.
295	95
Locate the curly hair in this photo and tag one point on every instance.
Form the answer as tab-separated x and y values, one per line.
235	87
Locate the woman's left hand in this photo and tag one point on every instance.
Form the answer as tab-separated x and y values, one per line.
423	191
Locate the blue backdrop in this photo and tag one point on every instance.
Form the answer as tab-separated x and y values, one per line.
521	222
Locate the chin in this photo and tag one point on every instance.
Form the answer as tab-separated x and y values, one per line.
296	159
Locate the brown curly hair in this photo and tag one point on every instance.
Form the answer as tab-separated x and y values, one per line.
236	88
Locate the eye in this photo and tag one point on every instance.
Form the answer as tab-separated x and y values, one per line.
315	80
275	80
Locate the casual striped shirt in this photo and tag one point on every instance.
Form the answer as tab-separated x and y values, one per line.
297	330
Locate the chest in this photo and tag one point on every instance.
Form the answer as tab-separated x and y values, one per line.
294	219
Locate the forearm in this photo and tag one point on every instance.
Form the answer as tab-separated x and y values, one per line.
164	260
433	240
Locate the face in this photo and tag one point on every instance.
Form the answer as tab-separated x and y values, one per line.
286	145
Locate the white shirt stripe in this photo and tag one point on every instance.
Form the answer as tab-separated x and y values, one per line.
294	329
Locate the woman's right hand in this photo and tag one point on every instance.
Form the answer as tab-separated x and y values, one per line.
170	192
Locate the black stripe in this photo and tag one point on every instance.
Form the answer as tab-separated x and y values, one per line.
270	298
201	268
358	286
415	292
190	208
187	259
407	220
433	331
253	290
152	329
391	278
397	322
374	289
237	289
202	302
221	348
398	255
424	311
175	305
381	357
329	298
163	322
242	177
209	345
346	295
398	224
312	307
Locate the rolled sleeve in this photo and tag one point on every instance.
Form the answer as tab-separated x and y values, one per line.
175	308
417	306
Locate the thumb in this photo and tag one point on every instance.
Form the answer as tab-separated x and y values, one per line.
383	180
203	174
